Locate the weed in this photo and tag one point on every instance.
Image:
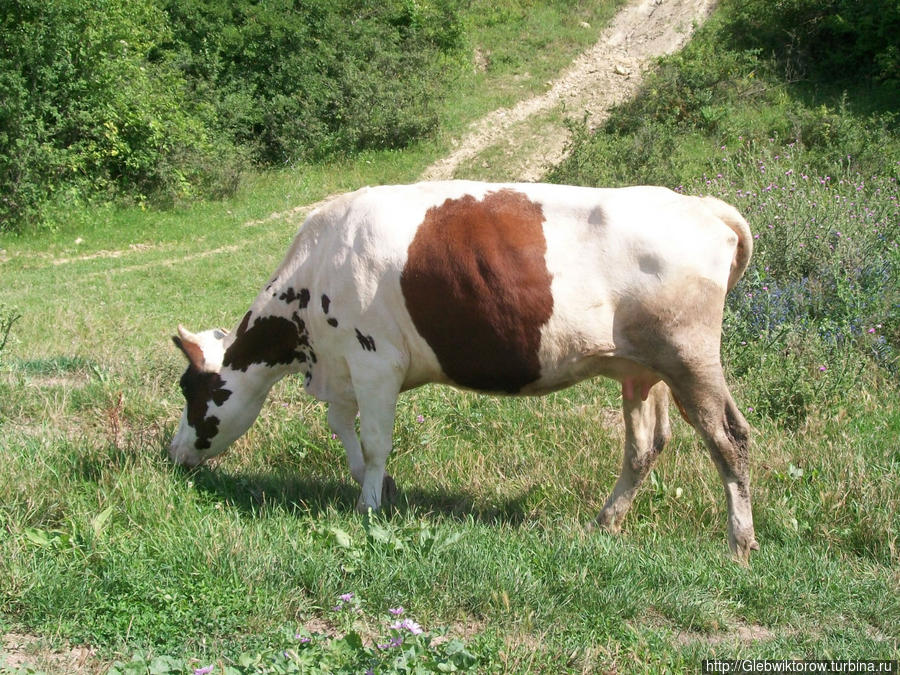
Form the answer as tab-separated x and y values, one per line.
405	648
8	316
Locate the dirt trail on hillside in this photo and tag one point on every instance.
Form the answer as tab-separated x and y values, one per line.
600	78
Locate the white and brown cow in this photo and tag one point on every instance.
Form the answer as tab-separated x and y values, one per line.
511	289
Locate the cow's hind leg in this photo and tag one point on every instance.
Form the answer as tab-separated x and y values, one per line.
646	432
709	407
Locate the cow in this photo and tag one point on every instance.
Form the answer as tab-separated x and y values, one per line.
514	289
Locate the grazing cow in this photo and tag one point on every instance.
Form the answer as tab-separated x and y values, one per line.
511	289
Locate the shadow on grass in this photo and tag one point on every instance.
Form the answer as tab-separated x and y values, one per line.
256	493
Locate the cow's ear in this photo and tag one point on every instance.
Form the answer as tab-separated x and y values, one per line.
188	343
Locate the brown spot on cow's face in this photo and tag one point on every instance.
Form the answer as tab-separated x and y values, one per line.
271	341
477	288
199	389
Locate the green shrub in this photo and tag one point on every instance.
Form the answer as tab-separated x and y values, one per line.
311	79
88	115
836	39
156	100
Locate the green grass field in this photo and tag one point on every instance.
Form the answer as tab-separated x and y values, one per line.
240	566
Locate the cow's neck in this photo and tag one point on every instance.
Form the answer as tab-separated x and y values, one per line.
274	334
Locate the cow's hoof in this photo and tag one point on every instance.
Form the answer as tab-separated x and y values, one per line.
741	545
606	522
388	496
388	491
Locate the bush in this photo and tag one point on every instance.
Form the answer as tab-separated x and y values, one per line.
835	39
86	115
316	78
158	100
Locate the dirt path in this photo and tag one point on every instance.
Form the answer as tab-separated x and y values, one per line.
605	75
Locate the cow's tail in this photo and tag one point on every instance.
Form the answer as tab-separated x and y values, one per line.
730	216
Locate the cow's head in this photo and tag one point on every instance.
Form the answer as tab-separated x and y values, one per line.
220	404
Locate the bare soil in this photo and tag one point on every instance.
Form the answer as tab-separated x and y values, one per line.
600	78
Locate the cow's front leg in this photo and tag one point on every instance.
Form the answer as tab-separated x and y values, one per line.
342	420
377	407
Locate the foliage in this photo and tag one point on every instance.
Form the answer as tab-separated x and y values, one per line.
837	39
818	311
294	80
406	648
166	101
86	114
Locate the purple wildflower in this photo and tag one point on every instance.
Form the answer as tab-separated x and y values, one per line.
394	642
408	624
397	611
420	419
346	597
205	670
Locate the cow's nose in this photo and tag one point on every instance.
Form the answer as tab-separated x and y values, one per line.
183	458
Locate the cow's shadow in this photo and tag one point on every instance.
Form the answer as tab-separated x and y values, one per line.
257	494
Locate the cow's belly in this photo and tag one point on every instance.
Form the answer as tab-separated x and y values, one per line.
563	375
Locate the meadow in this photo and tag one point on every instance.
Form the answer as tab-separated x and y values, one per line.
259	562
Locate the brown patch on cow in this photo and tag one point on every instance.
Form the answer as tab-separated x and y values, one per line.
271	341
199	389
477	288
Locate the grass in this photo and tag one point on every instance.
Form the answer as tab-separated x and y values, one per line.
103	542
